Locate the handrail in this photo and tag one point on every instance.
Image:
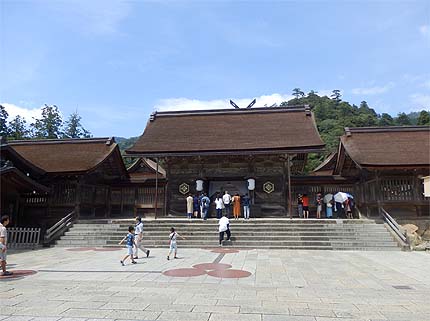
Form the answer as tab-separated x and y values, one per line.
59	227
395	227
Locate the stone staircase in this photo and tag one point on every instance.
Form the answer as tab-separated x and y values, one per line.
274	233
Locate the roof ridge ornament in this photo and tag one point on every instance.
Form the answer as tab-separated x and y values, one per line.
249	106
153	115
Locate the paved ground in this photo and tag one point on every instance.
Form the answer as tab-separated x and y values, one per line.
275	285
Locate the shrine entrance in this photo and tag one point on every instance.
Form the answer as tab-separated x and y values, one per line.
232	187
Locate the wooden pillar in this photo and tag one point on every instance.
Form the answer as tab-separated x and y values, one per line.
285	182
156	190
108	202
378	192
78	199
290	205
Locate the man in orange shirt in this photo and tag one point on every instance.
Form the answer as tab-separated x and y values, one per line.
305	206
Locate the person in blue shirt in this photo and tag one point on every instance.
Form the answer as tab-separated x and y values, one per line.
130	243
205	202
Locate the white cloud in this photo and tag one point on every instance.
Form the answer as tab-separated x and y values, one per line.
27	113
375	90
420	101
175	104
425	30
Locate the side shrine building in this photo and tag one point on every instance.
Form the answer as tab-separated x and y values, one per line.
256	151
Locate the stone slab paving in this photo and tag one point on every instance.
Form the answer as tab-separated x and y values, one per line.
283	285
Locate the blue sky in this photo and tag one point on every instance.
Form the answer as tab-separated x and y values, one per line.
117	61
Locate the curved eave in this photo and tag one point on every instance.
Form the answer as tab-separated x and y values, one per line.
23	179
261	151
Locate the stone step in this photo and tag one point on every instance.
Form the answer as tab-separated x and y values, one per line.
267	233
237	236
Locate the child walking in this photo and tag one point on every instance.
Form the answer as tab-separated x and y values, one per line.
173	245
130	242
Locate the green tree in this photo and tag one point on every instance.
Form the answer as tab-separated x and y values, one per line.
18	128
49	125
424	118
403	119
74	129
298	93
4	131
386	120
336	95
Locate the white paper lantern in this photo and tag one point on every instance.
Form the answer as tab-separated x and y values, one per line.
199	185
251	184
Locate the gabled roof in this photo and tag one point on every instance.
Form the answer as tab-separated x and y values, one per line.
229	131
326	167
144	169
71	155
407	146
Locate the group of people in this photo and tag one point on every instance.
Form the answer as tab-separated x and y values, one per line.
133	240
199	205
343	209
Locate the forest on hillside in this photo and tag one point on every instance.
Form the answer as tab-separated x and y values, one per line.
332	115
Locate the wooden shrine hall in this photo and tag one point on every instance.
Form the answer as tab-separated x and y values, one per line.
255	151
44	180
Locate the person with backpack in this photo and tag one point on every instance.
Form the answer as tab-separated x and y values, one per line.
205	206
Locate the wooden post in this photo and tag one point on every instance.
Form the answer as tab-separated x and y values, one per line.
290	205
78	200
378	193
156	190
108	202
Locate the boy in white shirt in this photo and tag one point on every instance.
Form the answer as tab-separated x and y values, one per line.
219	204
224	227
226	198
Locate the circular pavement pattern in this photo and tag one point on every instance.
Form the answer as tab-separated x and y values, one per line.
226	251
17	274
187	272
212	266
107	249
80	249
230	274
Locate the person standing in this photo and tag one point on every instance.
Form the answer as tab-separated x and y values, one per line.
224	227
4	221
201	203
226	198
196	208
300	205
305	199
138	233
318	203
218	206
189	206
236	206
246	201
205	206
173	245
329	209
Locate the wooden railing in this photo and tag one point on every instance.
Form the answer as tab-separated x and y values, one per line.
394	226
21	237
59	228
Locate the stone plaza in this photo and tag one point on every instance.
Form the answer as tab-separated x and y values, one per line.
225	284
